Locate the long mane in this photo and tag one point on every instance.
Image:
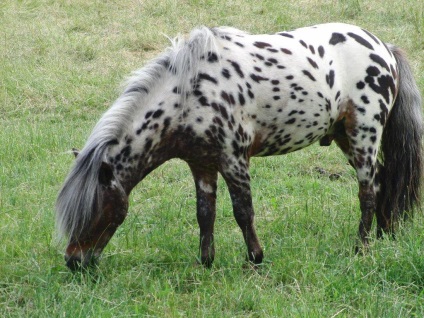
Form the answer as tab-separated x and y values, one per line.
80	198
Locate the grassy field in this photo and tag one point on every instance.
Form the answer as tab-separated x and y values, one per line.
61	63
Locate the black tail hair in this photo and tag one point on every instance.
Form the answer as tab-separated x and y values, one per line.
401	168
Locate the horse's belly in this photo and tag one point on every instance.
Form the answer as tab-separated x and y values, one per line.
291	135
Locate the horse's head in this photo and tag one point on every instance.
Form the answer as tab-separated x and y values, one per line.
110	210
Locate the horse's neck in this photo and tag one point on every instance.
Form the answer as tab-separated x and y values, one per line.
146	143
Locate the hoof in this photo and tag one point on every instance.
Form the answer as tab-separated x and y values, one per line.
255	258
206	261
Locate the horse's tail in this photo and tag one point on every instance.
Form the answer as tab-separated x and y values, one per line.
401	168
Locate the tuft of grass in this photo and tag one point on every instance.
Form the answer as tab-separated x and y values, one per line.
61	63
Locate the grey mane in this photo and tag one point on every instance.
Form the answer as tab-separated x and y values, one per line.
81	192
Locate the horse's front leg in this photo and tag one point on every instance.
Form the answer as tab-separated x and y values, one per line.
205	180
236	175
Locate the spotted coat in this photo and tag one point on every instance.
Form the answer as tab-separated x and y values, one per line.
223	96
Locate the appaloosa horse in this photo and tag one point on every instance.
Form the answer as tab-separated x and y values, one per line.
222	96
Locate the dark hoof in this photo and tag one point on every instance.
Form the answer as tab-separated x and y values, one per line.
206	261
361	249
255	258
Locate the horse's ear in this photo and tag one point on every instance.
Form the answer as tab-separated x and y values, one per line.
75	151
105	173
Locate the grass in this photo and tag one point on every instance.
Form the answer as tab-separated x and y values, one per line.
60	66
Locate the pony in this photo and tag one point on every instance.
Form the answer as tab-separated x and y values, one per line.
221	96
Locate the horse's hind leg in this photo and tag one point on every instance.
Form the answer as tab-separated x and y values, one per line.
360	143
205	179
236	174
365	169
384	222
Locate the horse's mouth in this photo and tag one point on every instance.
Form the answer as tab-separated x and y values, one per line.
78	262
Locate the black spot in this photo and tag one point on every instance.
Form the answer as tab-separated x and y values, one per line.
257	69
371	36
261	45
212	57
377	59
137	89
303	44
226	73
360	85
272	50
365	99
229	98
148	114
330	78
272	60
321	51
258	78
157	113
327	105
312	49
291	121
308	74
260	57
218	121
237	68
239	44
382	117
361	110
286	35
336	38
275	82
361	40
223	111
286	51
337	95
242	101
385	85
126	151
203	101
143	127
176	90
204	76
313	63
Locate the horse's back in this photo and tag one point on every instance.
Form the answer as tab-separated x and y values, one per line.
287	89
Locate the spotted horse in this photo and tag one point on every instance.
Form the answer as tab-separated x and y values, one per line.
221	96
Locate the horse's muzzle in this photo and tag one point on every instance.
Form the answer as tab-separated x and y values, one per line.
76	263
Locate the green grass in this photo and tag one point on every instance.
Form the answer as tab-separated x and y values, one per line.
61	63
